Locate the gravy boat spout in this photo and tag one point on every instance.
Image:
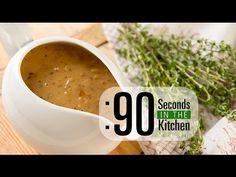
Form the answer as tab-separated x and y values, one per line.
49	128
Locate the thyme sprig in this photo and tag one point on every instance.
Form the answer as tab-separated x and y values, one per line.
232	116
204	66
193	146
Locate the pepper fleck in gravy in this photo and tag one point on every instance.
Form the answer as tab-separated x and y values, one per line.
66	75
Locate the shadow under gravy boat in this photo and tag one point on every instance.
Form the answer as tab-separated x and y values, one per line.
49	128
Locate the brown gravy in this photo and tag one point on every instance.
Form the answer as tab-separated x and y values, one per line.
66	75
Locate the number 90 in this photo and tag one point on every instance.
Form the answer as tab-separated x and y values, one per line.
128	115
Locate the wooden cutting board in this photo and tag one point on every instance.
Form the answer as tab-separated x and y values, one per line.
12	143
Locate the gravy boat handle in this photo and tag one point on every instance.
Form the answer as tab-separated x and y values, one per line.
14	36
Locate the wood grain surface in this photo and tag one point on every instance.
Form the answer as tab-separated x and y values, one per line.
10	142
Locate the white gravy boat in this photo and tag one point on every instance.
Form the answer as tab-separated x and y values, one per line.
49	128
